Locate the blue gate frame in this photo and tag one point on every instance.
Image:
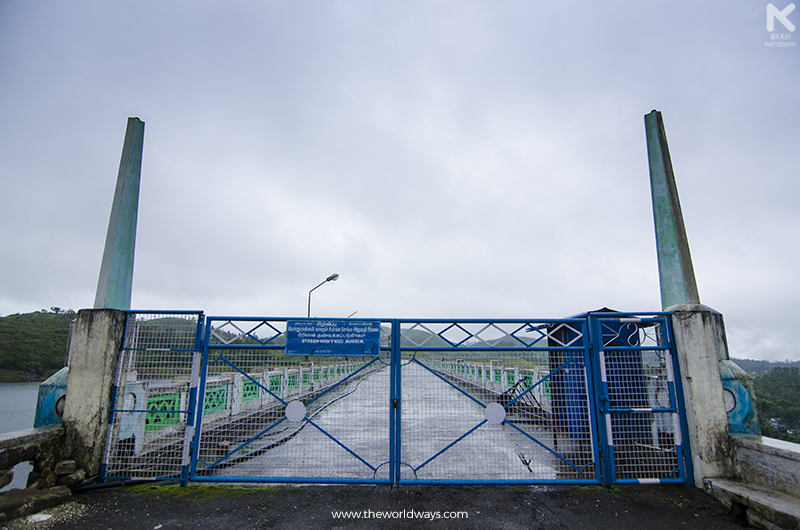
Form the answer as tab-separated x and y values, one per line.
594	399
503	387
286	394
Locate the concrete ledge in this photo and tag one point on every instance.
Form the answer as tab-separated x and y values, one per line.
766	445
764	508
18	503
38	435
766	462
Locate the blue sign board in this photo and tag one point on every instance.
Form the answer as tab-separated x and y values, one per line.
333	337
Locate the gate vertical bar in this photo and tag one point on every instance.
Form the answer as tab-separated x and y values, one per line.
201	391
191	419
597	394
191	416
605	439
395	431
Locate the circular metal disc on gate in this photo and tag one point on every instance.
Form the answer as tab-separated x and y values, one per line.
495	413
295	411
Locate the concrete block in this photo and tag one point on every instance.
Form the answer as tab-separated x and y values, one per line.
18	503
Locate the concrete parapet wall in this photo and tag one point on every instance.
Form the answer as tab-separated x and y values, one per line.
15	439
700	344
767	462
29	445
94	349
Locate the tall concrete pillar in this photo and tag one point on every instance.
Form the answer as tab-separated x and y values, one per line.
675	270
116	271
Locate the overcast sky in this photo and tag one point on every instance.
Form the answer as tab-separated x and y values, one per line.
467	159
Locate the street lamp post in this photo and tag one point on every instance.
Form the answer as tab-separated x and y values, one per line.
332	278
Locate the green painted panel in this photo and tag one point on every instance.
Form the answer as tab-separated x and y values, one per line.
250	391
275	384
164	407
216	399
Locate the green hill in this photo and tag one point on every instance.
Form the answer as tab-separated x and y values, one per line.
34	345
778	395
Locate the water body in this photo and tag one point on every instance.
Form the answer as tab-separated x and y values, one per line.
17	412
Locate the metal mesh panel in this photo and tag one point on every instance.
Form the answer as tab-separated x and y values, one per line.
644	446
637	379
338	429
493	402
147	436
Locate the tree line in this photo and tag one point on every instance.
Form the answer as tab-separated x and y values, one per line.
34	345
778	402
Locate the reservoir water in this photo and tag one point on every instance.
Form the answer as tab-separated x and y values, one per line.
17	411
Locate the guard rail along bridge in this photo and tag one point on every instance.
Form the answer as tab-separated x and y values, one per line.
591	399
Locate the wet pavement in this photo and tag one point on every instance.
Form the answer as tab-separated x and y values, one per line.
348	439
445	436
436	414
465	507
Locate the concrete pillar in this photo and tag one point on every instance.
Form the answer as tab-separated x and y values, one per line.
701	344
93	351
116	270
675	269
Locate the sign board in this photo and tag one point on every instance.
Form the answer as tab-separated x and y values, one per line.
333	337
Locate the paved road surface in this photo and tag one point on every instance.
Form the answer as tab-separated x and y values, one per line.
294	508
434	413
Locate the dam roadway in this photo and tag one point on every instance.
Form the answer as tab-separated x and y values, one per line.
434	415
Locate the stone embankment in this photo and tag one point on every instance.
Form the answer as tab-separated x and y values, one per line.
49	482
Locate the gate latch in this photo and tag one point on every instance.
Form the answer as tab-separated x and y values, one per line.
395	403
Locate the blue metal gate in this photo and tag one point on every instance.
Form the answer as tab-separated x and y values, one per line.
641	404
588	400
496	401
269	416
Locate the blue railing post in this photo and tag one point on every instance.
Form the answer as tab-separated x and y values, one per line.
395	396
599	389
200	401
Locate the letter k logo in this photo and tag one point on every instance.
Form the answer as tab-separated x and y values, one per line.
773	13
